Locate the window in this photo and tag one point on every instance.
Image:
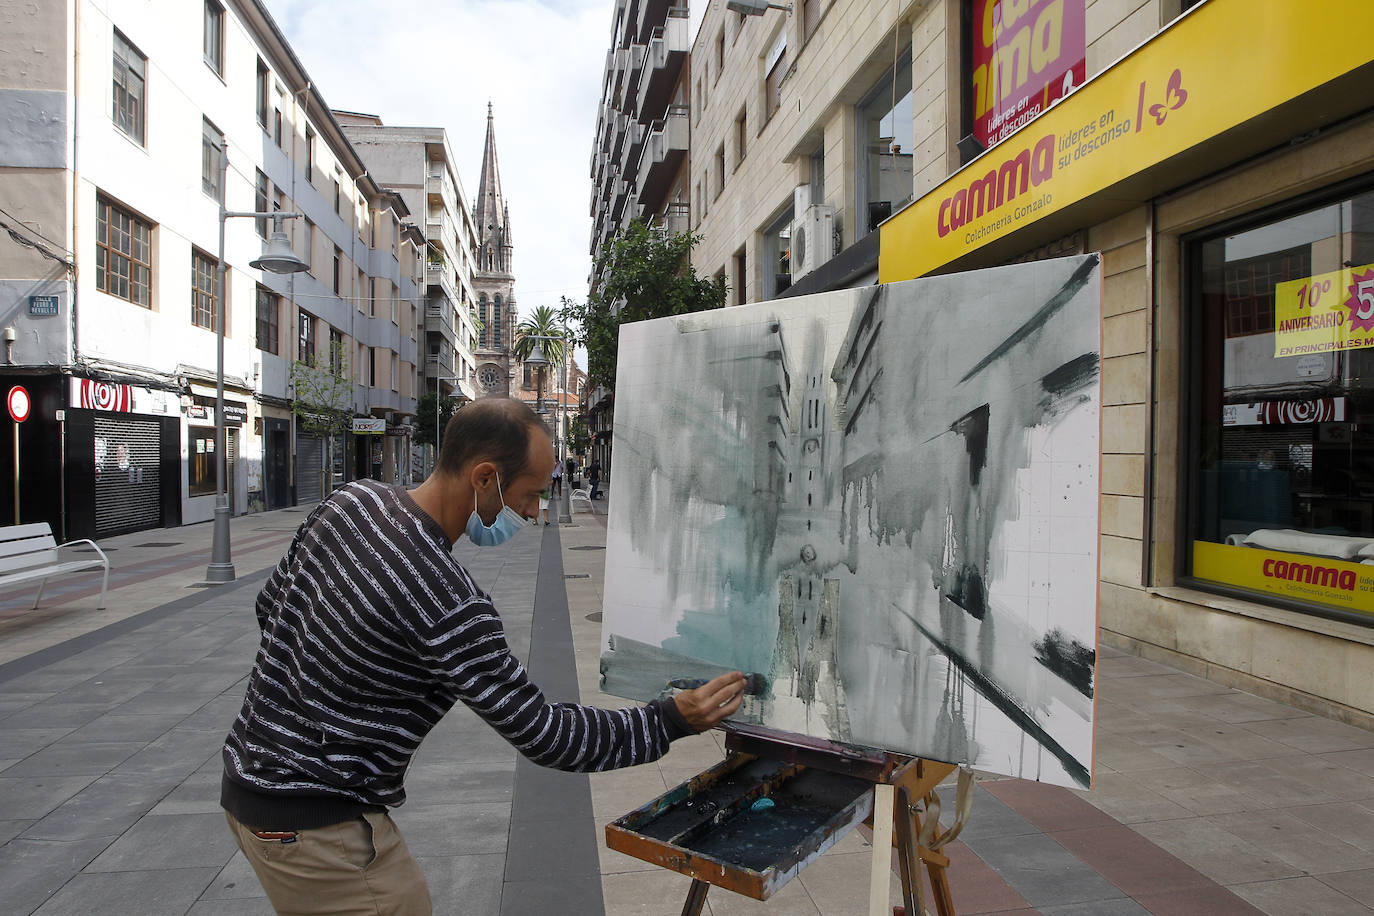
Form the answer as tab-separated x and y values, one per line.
123	254
202	290
485	319
775	252
336	351
496	339
202	464
309	154
741	135
774	66
372	367
276	127
261	193
338	271
1280	458
720	53
741	276
214	36
309	238
211	160
885	132
264	93
130	75
811	17
269	313
305	338
720	168
338	198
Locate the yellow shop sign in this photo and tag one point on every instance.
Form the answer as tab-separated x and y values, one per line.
1330	311
1318	580
1177	91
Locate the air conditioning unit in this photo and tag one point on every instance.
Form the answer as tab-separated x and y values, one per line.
801	198
813	239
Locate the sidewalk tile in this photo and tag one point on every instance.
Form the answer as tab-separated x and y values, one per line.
249	906
1279	833
167	892
432	830
1121	907
1050	808
1130	861
235	880
464	884
105	808
75	758
1044	872
1213	900
31	871
1350	823
529	897
1217	853
974	886
1358	885
170	841
34	796
1300	895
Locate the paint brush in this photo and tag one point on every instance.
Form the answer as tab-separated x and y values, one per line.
754	684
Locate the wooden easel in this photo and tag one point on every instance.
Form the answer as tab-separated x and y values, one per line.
899	783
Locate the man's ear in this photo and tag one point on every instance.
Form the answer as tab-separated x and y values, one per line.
482	475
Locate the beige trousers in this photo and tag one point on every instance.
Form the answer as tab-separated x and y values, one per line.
357	868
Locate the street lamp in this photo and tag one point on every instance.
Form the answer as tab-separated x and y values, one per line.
278	258
754	7
438	412
538	360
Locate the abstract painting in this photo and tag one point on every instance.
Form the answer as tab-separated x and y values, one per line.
884	500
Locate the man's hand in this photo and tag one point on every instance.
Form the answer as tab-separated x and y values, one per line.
711	702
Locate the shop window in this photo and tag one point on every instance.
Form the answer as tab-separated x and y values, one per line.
201	469
123	254
130	82
1281	478
886	131
202	290
269	312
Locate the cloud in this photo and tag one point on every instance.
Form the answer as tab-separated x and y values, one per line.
437	63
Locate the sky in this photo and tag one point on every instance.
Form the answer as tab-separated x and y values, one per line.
436	63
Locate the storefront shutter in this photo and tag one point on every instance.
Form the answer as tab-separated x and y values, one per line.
126	475
308	454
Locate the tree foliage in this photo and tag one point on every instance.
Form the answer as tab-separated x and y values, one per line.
578	439
424	416
544	328
323	401
649	275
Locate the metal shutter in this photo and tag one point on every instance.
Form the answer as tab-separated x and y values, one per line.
127	496
308	453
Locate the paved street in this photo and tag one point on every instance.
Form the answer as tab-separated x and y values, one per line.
1208	800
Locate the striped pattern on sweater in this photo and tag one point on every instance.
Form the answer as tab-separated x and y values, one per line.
371	631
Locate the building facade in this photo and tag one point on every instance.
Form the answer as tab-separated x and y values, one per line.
494	278
418	164
111	190
1233	217
640	159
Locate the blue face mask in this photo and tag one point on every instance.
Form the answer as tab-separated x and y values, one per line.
507	525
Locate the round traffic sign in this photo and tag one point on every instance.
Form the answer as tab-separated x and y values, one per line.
19	404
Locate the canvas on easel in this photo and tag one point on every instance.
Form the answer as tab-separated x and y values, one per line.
884	500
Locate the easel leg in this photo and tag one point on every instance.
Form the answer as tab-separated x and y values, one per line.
912	898
696	898
882	850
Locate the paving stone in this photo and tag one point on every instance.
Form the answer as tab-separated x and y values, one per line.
74	759
468	884
1042	871
34	796
454	830
18	743
111	727
1300	895
248	906
167	892
1214	851
172	841
31	871
105	808
178	752
235	880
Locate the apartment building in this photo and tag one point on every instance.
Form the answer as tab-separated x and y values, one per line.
640	156
130	125
418	164
1230	193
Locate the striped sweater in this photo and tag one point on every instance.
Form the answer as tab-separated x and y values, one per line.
371	631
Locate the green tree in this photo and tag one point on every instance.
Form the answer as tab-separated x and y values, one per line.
648	275
323	402
544	323
578	438
424	417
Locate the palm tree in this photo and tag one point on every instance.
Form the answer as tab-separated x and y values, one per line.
541	328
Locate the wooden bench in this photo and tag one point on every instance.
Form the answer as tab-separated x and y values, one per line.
29	552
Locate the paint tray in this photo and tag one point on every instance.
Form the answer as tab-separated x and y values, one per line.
714	827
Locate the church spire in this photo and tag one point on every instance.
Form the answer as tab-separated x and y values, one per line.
489	212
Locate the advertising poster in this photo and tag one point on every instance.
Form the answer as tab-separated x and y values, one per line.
1344	584
1026	56
1326	312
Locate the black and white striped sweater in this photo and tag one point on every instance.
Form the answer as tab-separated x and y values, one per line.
371	631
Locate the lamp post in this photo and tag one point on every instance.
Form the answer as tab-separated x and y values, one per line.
278	258
539	360
438	413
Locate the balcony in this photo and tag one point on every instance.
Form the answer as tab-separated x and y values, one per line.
622	195
663	155
439	276
618	143
674	220
668	47
634	146
638	53
439	228
439	319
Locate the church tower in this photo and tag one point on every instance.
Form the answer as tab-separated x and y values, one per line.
494	279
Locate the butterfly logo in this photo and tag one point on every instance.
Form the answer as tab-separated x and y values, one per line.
1174	97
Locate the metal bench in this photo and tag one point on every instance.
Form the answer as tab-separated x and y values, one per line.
29	552
582	494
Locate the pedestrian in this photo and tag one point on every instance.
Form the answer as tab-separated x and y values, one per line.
557	489
371	632
544	505
594	475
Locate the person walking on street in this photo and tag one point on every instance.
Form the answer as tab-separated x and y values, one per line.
557	478
371	632
594	475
